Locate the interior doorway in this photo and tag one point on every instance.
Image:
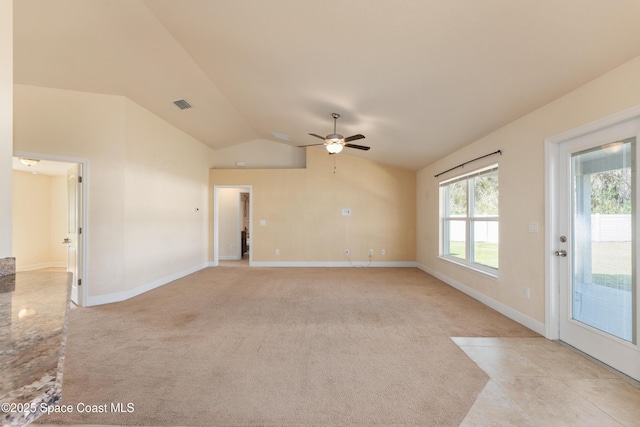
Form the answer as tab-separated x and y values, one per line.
50	215
245	221
232	225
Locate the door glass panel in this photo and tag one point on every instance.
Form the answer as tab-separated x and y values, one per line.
602	216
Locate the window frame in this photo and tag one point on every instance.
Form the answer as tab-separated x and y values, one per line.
470	219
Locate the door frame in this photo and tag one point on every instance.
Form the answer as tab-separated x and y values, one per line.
216	222
84	202
552	157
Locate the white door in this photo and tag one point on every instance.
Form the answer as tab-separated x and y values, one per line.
597	245
74	230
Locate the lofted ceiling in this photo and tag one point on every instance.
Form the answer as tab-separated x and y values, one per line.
419	78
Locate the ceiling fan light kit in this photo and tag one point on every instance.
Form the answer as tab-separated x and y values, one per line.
29	162
334	143
335	146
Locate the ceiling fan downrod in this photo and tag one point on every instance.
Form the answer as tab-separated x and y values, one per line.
335	116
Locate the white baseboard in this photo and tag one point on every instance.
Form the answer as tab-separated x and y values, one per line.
124	295
229	258
32	267
505	310
332	264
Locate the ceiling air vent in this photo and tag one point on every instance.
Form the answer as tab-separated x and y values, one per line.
182	104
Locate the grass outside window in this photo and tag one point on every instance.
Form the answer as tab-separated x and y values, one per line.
484	253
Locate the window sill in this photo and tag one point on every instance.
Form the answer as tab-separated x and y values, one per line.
485	273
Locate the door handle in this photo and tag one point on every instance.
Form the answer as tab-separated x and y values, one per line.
66	241
561	253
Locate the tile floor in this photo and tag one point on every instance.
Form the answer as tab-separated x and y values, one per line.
537	382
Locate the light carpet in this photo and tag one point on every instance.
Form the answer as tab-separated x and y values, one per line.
281	346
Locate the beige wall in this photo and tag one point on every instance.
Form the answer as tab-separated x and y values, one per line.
145	181
522	178
165	199
302	210
6	124
39	220
261	154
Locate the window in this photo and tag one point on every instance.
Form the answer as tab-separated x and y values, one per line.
469	220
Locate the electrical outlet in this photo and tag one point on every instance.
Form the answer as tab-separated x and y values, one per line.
277	251
346	251
527	294
382	252
370	252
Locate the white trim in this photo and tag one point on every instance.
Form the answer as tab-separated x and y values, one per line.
485	170
474	267
215	261
229	258
83	270
39	266
51	157
333	264
125	295
551	144
505	310
596	125
552	286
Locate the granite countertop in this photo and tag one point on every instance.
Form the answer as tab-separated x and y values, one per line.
33	311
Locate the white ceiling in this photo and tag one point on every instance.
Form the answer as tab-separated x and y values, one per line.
44	167
419	78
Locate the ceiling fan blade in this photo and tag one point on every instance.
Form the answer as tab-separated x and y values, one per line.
358	147
310	145
353	137
317	136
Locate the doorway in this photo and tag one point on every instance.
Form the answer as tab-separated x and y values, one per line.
245	221
232	225
593	242
56	185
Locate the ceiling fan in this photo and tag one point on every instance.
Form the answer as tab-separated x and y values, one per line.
335	142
